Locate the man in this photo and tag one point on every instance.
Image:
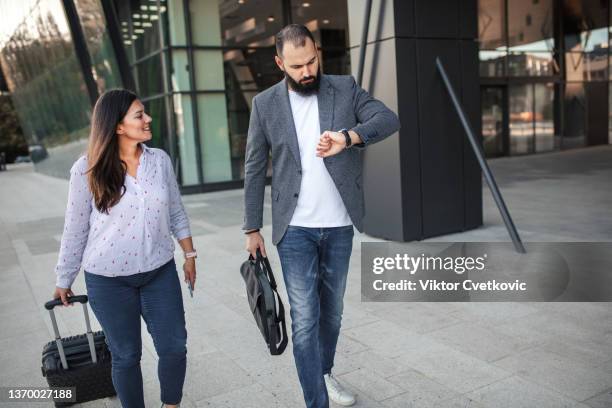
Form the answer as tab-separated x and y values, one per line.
314	125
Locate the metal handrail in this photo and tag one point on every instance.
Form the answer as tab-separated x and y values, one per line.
499	200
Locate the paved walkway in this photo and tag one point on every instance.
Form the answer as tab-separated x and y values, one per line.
392	355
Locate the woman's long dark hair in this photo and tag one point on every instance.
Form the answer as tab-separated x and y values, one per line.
106	170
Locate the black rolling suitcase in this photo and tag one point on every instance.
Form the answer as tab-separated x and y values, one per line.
82	361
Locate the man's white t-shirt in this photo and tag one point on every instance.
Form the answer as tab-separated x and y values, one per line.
319	203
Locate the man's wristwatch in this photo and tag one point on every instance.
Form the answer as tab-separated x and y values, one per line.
346	134
192	254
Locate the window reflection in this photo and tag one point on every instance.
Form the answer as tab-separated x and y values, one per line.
584	24
574	115
214	136
44	76
530	38
531	64
248	24
587	66
492	63
491	24
251	28
104	64
544	117
531	25
183	111
328	22
239	109
609	113
521	119
150	80
140	26
492	120
251	69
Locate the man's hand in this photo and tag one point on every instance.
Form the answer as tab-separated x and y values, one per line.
254	241
63	294
330	143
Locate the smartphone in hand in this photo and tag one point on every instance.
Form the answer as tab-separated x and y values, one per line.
190	288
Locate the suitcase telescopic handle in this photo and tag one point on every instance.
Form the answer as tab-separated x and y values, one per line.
58	302
50	305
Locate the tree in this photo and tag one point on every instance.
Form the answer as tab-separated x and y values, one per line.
12	141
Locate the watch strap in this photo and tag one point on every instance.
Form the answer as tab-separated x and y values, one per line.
349	142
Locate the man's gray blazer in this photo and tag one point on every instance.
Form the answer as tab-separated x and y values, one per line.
342	104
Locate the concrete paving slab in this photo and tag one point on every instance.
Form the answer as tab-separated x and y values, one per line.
371	384
479	341
214	374
421	391
451	368
603	400
558	373
382	366
515	392
252	396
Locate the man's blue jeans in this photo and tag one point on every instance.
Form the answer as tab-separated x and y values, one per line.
118	302
315	264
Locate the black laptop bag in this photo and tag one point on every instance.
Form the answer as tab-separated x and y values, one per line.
265	303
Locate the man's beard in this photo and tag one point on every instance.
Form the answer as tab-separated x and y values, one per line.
305	89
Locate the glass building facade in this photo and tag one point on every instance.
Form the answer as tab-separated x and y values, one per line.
545	80
46	78
197	64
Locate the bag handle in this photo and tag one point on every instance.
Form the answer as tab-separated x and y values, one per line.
274	348
266	268
57	302
264	264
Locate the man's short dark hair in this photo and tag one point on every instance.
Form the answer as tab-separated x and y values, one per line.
296	34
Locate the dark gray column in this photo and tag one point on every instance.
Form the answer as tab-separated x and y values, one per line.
424	181
80	47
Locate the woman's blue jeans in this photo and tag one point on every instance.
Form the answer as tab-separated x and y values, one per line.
315	264
118	303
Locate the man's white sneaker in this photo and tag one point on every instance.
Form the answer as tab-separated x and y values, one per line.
337	393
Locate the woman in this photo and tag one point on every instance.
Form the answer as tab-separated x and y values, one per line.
123	206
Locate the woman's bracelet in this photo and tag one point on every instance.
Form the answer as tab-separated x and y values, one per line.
251	231
191	254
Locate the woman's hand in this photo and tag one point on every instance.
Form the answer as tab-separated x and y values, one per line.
65	293
189	267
